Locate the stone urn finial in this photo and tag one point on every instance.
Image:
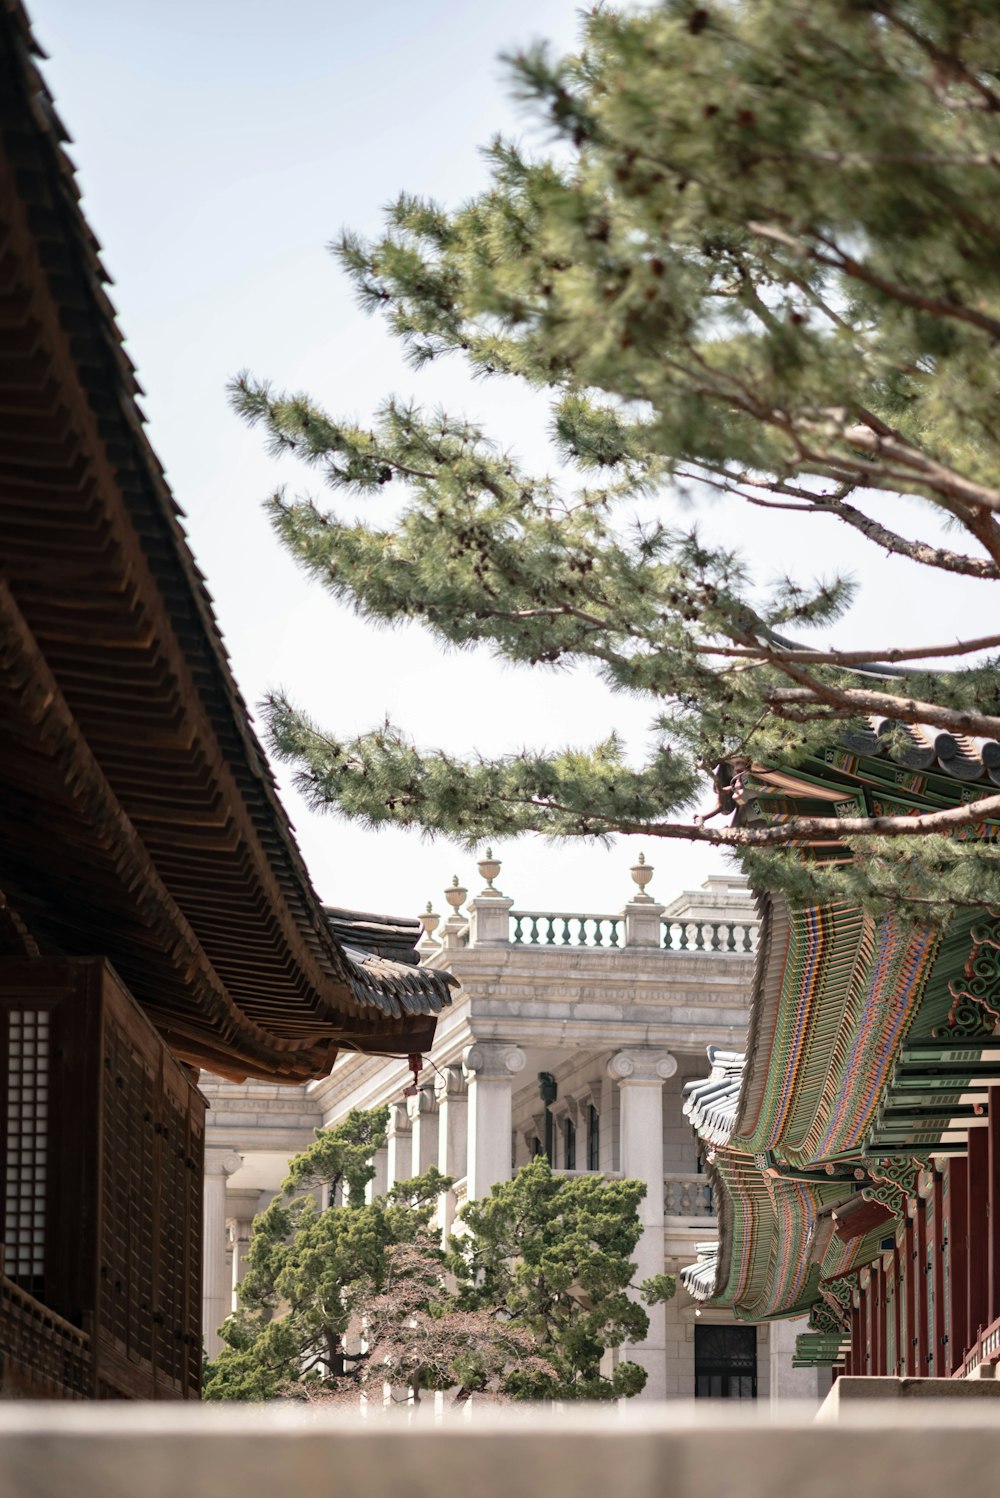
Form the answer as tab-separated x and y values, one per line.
430	922
455	894
642	873
489	868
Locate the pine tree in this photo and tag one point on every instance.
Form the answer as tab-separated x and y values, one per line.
760	259
344	1300
554	1252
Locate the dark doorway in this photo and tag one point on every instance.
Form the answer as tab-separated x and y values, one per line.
725	1362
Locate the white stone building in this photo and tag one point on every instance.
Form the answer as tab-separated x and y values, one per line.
572	1033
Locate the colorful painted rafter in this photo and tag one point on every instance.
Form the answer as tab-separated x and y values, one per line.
851	1149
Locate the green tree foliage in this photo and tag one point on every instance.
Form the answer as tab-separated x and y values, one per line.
542	1268
554	1254
761	259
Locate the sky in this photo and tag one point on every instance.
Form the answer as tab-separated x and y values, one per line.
221	145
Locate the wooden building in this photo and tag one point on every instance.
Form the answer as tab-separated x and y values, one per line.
854	1149
155	912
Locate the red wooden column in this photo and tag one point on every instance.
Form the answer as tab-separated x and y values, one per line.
922	1288
977	1193
857	1338
993	1206
957	1227
939	1363
909	1287
899	1363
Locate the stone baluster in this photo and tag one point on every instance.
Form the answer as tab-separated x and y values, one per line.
399	1159
491	1066
216	1276
640	1075
452	1091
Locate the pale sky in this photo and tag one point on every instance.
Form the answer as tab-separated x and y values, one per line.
221	144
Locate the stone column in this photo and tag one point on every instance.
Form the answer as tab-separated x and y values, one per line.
422	1112
379	1183
242	1232
216	1277
452	1091
788	1382
399	1161
640	1075
491	1066
242	1206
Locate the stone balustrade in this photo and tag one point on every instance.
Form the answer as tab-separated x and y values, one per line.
687	1196
539	928
491	920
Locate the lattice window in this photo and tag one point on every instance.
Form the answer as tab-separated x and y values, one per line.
26	1146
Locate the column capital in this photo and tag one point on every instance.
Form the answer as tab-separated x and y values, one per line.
494	1059
641	1066
399	1118
451	1082
423	1101
222	1162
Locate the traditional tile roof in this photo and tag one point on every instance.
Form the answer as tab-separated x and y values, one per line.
867	1049
138	816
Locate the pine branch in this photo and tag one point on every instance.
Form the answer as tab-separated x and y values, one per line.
857	701
887	655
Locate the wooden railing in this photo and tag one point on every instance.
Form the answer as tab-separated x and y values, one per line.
985	1349
43	1355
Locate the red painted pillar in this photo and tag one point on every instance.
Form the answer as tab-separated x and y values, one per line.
899	1360
993	1206
910	1276
922	1288
977	1236
874	1314
857	1338
957	1226
939	1362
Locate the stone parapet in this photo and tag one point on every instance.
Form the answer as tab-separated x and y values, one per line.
916	1448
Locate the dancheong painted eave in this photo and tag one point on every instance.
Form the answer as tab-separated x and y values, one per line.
138	816
862	1101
